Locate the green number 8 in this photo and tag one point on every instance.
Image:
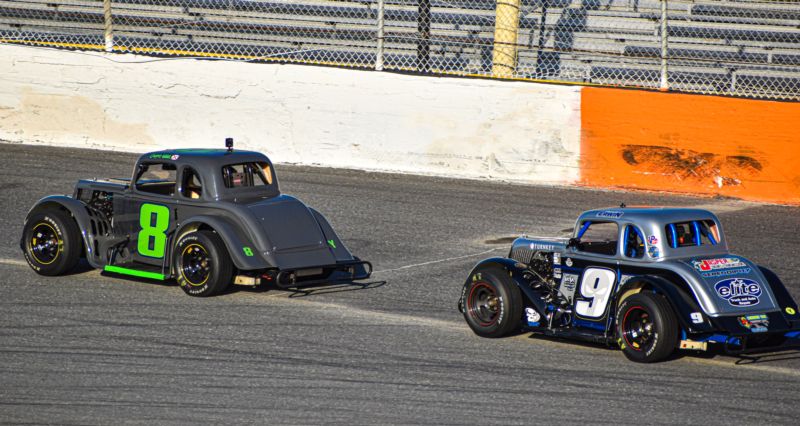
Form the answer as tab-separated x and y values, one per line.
156	233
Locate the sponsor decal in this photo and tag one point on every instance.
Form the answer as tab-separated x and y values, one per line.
568	262
755	323
174	157
739	291
247	251
162	156
544	247
652	240
568	284
556	258
611	214
533	317
726	272
790	310
653	252
719	263
556	272
697	317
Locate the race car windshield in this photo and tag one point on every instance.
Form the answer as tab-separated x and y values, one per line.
253	174
692	234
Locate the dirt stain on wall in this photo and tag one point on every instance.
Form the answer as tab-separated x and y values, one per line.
57	119
690	165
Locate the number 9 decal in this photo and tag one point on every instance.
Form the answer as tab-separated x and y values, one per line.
596	286
153	235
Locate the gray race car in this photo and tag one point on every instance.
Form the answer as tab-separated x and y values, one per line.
649	280
206	217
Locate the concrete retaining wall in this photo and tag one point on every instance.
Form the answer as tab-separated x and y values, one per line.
295	114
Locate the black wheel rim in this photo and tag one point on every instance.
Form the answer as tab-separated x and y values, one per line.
44	243
195	264
638	328
483	304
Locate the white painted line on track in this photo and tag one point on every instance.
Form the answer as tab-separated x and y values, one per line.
13	262
431	262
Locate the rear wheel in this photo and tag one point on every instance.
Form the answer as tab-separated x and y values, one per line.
51	242
646	327
202	264
492	303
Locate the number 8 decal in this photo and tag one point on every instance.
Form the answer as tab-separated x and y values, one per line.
596	285
153	235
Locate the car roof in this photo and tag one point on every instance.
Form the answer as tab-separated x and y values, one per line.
663	215
204	157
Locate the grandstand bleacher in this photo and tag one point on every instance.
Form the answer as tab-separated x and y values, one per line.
743	48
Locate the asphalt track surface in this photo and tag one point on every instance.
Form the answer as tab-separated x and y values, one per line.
90	348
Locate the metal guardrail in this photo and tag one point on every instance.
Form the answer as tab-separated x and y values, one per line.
747	48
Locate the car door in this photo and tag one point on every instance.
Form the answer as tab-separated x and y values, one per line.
149	217
592	264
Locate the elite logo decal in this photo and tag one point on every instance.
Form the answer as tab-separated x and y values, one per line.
739	291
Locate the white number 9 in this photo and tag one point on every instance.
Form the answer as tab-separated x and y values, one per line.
596	285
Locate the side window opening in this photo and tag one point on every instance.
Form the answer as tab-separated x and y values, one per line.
253	174
598	238
191	187
692	233
633	242
156	178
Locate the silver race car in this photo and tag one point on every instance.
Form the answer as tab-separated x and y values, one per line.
650	280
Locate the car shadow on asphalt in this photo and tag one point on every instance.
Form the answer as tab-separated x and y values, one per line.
742	359
81	268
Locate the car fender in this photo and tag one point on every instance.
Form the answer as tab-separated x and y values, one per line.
782	296
80	213
683	304
516	270
340	251
235	242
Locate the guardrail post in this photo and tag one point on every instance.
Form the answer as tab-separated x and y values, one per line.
379	52
107	30
664	47
506	26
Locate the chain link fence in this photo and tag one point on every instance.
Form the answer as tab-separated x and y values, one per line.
745	48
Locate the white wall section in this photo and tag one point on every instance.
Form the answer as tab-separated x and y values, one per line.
295	114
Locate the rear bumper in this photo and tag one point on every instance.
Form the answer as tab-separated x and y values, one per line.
752	343
324	274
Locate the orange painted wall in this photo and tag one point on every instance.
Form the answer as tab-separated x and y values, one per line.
742	148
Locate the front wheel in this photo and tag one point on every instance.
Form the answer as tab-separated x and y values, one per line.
646	327
492	303
51	242
202	264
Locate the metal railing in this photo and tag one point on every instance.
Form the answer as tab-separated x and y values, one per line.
745	48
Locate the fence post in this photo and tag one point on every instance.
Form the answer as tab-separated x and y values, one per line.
379	53
108	32
664	47
506	25
424	34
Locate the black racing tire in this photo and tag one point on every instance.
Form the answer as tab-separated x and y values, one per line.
492	303
202	264
51	242
646	327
